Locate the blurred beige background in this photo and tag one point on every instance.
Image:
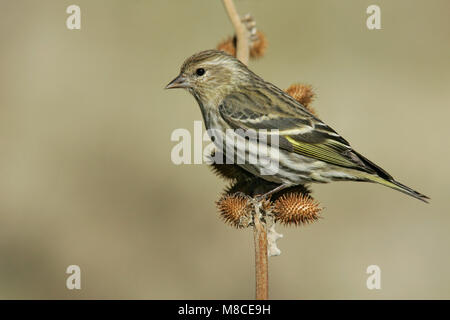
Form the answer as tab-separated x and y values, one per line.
85	170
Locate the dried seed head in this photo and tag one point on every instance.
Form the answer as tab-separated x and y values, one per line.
303	93
235	210
296	209
258	45
228	45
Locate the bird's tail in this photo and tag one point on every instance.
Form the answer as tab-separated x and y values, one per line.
398	186
382	177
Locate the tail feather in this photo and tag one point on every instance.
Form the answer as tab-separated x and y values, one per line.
400	187
376	174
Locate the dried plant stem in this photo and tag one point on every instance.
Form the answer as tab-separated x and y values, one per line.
261	259
243	49
259	228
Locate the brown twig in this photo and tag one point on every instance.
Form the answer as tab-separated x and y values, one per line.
259	229
243	50
261	258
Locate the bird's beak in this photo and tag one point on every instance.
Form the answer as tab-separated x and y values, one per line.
178	82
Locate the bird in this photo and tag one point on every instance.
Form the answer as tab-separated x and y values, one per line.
233	98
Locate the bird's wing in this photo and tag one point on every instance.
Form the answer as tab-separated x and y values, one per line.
298	130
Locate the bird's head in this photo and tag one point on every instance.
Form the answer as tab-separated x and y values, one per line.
210	75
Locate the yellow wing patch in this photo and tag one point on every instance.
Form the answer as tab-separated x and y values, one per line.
320	152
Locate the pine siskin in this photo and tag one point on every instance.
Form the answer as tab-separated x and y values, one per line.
231	96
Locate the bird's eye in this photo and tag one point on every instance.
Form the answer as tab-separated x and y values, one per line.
200	71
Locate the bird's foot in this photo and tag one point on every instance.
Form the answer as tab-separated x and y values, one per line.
266	195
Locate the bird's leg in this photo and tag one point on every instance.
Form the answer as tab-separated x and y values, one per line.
274	190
